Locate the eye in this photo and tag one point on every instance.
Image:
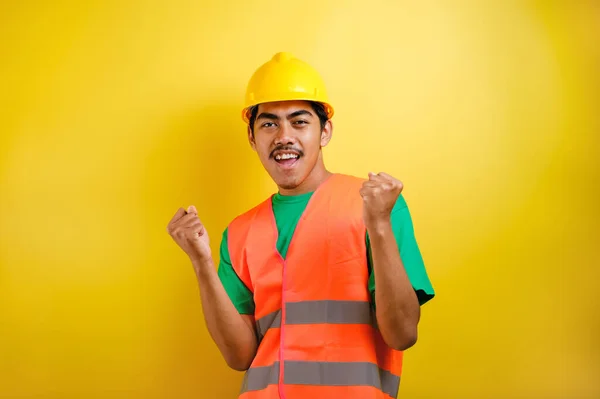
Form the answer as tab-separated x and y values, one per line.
267	124
300	122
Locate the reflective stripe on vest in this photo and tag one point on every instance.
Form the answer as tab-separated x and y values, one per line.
322	373
315	324
317	312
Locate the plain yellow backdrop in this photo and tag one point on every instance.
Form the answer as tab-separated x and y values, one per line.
114	114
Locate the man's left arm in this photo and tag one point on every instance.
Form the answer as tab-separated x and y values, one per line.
397	304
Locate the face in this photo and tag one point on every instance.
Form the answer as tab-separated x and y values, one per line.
288	139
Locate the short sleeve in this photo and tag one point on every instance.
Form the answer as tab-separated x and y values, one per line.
240	295
410	254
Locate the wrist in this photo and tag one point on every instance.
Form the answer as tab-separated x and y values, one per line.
203	264
379	227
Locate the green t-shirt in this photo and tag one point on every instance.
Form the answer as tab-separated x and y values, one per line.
288	210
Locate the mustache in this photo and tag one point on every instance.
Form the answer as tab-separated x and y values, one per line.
286	148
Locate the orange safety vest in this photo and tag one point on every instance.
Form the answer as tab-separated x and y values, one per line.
315	323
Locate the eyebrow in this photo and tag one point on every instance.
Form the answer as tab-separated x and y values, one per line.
267	115
298	113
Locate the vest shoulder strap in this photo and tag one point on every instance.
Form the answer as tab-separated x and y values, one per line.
237	236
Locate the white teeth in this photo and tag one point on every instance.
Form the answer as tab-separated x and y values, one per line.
279	157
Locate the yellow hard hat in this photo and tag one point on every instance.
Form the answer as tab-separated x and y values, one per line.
285	78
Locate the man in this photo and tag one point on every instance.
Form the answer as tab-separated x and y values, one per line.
319	288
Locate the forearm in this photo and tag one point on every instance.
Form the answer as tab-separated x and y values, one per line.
397	306
233	335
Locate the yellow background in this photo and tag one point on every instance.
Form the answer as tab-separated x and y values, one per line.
113	114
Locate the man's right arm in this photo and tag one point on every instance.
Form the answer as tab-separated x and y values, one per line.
233	332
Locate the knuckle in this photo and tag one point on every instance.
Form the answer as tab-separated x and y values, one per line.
191	231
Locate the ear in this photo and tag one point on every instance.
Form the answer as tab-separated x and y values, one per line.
251	138
326	133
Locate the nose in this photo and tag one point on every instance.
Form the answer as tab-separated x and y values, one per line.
285	134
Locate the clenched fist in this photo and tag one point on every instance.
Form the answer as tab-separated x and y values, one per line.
189	233
379	195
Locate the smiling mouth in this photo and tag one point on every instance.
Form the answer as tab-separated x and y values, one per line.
286	158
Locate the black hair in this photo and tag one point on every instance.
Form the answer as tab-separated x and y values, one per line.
316	106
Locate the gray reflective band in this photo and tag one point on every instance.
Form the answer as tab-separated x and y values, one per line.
257	378
323	374
318	312
273	319
389	382
333	312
